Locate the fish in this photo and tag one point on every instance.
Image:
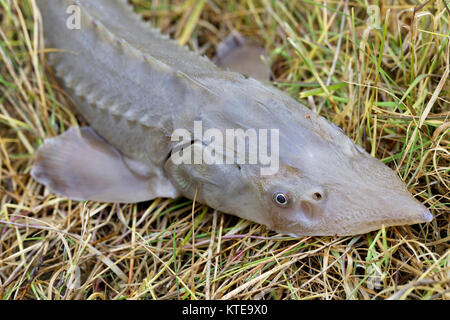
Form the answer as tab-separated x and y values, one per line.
136	88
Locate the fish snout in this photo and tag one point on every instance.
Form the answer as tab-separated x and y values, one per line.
369	210
416	213
402	209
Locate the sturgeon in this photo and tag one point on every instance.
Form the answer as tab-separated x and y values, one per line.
136	87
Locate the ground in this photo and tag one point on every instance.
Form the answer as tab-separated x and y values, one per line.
378	69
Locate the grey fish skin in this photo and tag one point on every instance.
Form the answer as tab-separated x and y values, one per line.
135	86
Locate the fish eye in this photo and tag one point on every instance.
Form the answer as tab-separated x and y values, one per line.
281	199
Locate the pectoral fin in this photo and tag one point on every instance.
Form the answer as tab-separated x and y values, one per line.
238	54
80	165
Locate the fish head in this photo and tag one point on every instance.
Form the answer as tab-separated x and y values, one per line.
324	184
328	185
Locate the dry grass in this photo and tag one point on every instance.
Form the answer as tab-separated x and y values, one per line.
394	104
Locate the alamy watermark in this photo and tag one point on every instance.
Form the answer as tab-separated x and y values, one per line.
373	20
229	146
73	22
234	146
73	278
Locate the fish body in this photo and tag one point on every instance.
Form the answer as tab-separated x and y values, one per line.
136	87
